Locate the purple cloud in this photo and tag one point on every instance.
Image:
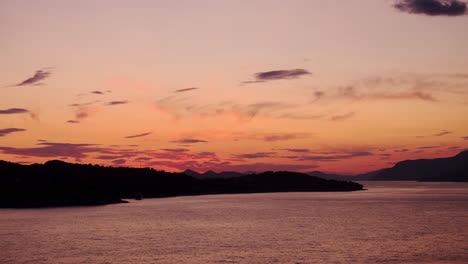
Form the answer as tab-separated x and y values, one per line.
119	161
443	133
279	137
117	102
176	150
254	155
281	74
350	92
186	90
6	131
401	150
38	76
298	150
13	111
82	113
432	7
188	141
139	135
73	121
97	92
113	157
278	75
142	159
465	138
49	149
337	157
343	117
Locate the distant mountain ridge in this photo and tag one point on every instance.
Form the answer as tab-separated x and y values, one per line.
214	175
452	169
232	174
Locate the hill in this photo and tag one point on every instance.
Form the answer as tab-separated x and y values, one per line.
453	169
57	183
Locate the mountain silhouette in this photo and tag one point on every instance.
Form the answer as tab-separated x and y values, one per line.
58	183
214	175
452	169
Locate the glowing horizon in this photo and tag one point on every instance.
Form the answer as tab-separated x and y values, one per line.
209	85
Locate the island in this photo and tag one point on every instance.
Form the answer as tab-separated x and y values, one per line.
58	183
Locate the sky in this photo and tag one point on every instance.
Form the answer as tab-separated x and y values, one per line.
300	85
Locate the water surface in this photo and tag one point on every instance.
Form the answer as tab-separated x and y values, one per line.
391	222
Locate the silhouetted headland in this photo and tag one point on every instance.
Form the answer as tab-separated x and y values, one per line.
57	183
452	169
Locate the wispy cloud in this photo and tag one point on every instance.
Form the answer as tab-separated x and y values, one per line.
49	149
186	89
119	161
40	75
13	111
254	155
465	138
82	113
271	137
6	131
280	137
278	75
297	150
337	157
97	92
139	135
179	108
176	150
432	7
401	150
342	117
113	157
318	95
300	116
83	104
443	133
351	92
73	121
117	102
78	151
142	159
188	141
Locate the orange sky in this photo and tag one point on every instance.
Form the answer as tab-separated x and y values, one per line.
348	86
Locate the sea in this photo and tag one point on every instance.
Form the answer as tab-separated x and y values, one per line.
390	222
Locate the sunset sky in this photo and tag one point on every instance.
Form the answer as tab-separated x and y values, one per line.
300	85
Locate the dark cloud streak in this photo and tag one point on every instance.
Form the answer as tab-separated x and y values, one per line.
117	102
188	141
13	111
38	76
337	157
443	133
6	131
278	75
186	90
432	7
139	135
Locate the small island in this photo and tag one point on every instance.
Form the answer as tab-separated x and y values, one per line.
58	183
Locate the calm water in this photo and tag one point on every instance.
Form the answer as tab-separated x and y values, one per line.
392	222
